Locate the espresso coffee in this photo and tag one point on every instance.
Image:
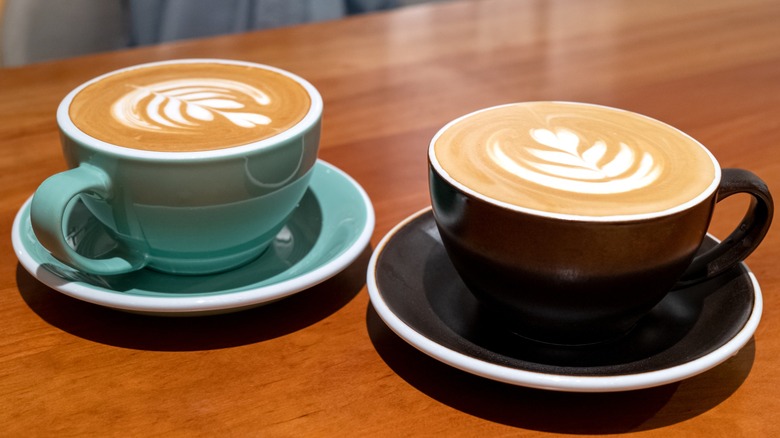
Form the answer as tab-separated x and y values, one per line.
574	159
191	106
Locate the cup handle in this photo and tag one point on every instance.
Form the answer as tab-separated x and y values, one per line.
48	213
745	238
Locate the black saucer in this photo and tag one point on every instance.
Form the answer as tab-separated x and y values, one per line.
419	295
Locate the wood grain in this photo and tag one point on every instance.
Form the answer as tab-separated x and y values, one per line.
322	363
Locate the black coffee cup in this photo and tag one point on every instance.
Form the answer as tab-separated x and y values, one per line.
576	279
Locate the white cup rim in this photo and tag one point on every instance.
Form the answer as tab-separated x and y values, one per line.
311	118
701	197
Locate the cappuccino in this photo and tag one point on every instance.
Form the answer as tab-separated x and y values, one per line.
193	166
189	106
570	221
574	159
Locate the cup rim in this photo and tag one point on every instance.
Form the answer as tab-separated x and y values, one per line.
705	194
311	118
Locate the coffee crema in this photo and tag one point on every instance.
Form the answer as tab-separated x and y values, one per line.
574	159
192	106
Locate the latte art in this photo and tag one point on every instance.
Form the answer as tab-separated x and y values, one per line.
561	164
573	159
189	106
185	104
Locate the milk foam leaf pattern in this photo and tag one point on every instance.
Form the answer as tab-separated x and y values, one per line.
186	104
247	120
220	104
199	113
560	162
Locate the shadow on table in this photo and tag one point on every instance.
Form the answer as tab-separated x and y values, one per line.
144	332
575	413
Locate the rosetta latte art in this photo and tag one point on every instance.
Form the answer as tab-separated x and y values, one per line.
573	159
186	104
560	162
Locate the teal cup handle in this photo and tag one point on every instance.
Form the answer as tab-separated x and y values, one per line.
48	214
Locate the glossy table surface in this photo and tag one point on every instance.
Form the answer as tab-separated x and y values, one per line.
322	363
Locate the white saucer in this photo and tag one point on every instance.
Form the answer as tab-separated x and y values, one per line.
418	294
329	229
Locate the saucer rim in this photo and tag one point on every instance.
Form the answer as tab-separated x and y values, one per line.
215	302
555	382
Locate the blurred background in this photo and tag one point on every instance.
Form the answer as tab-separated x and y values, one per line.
40	30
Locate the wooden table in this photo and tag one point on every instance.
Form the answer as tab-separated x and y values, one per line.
322	363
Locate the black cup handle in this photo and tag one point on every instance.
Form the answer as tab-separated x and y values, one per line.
745	238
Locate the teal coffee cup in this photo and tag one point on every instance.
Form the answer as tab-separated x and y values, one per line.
193	166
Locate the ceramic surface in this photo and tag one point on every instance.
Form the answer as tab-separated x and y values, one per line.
416	291
182	212
327	231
